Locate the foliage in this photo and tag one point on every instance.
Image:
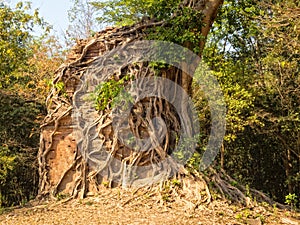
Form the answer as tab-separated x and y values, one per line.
27	64
291	199
110	93
183	29
253	49
7	164
182	24
281	81
19	135
47	56
128	12
82	17
16	26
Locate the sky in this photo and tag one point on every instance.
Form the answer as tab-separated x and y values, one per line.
55	12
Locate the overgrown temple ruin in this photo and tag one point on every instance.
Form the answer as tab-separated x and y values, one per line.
63	167
70	147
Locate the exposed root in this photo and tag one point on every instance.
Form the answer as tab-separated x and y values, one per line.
235	192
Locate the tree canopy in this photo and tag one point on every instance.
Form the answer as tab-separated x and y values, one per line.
27	65
254	50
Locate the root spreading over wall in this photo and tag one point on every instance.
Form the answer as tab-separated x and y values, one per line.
70	160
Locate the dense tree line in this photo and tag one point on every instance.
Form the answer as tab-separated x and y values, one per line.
254	50
27	64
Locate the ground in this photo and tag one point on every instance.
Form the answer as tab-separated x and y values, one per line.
138	207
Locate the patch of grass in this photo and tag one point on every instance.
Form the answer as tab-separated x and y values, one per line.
176	183
89	203
166	197
61	196
105	184
221	213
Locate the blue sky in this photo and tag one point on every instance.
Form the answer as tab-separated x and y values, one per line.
54	12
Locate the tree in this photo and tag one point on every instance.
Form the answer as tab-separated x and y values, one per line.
186	23
82	17
280	72
253	50
26	66
15	27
